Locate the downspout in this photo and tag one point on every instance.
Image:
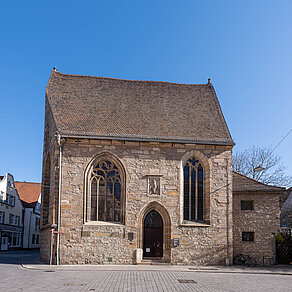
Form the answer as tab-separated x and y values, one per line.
22	235
28	236
59	200
227	215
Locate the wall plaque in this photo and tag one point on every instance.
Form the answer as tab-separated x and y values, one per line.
131	236
176	242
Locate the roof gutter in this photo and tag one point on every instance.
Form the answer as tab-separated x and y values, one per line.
142	139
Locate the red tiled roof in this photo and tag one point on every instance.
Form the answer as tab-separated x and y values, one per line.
28	205
242	183
136	110
28	192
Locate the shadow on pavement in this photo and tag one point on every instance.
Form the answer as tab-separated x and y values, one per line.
20	256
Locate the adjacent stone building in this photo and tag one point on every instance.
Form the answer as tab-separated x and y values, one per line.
142	171
256	218
286	209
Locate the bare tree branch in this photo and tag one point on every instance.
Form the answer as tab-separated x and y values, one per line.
273	173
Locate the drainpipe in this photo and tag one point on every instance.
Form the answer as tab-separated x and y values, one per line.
227	214
59	201
28	237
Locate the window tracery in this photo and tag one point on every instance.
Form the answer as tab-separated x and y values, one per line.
105	192
193	191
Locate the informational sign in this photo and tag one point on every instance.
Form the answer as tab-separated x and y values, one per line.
130	236
176	242
147	249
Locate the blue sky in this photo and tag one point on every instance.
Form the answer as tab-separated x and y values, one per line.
243	46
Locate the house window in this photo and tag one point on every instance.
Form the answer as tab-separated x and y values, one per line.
11	219
246	205
19	239
15	239
37	241
37	224
247	236
12	201
17	220
33	239
193	190
2	214
104	201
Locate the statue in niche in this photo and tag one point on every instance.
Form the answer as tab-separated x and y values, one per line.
154	186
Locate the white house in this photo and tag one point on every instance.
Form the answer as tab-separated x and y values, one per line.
11	214
30	195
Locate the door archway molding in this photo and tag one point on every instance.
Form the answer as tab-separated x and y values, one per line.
166	227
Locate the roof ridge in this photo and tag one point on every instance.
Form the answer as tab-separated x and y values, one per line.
257	181
30	182
130	80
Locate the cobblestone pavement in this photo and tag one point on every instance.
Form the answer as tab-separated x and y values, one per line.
16	278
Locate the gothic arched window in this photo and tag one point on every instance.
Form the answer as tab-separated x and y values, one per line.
105	198
193	190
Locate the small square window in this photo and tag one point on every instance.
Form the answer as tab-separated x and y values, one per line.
17	220
247	236
246	205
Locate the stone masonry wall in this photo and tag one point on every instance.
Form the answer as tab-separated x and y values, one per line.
103	243
50	149
264	221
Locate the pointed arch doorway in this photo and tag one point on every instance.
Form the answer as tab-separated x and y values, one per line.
153	235
166	231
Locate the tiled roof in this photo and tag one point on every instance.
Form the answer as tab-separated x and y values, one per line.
136	110
242	183
29	205
28	192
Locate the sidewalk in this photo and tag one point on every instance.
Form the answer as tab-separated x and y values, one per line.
274	270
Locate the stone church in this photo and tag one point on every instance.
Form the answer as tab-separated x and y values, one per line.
138	171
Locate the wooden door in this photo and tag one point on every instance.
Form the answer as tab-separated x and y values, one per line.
153	235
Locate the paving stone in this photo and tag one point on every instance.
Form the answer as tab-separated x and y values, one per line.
16	278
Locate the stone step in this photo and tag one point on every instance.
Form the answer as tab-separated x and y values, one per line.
153	262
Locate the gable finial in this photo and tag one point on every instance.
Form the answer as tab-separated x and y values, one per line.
209	81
